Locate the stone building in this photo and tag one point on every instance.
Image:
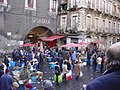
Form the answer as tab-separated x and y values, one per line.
90	21
26	21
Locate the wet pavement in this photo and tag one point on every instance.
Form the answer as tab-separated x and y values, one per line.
73	84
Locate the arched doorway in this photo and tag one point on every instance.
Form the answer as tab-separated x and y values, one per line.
36	33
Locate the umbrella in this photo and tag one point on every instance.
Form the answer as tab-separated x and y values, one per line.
28	44
69	45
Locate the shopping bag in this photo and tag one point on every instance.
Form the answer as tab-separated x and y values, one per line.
59	78
81	74
84	63
69	76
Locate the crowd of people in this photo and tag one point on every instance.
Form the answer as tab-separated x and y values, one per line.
16	72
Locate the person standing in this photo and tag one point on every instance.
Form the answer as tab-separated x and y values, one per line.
73	58
65	70
57	72
6	81
77	69
99	61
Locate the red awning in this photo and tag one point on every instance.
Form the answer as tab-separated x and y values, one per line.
51	38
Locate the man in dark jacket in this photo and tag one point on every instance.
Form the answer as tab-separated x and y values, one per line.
57	72
110	80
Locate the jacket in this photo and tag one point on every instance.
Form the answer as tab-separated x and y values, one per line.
109	81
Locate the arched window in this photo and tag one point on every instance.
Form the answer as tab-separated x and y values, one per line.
109	26
96	23
88	21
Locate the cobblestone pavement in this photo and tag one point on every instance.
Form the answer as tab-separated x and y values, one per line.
88	75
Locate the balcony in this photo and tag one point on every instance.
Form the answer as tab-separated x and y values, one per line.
62	9
74	6
61	31
69	31
98	8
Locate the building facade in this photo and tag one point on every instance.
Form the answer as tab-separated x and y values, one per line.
90	21
21	20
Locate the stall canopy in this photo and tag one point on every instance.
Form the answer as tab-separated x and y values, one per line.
51	38
69	45
28	44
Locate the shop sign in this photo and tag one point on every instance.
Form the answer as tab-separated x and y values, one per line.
41	20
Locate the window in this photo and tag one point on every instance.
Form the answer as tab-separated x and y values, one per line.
74	21
97	4
53	5
109	7
114	8
109	26
88	21
113	26
104	5
119	9
103	24
74	2
30	4
119	27
63	22
96	23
